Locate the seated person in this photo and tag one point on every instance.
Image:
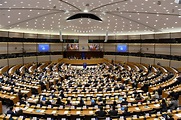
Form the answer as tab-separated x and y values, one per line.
81	103
22	100
101	112
59	102
173	104
113	112
48	102
139	98
12	90
11	112
68	103
124	102
126	113
44	98
93	102
62	94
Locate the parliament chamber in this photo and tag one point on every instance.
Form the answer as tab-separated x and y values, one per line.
90	60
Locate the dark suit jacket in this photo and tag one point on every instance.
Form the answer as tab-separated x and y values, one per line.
113	113
101	113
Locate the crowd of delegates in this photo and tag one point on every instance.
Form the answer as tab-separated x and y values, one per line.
100	79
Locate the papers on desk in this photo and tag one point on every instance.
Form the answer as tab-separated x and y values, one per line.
91	112
132	99
66	112
29	109
157	105
178	115
53	112
12	97
78	112
137	108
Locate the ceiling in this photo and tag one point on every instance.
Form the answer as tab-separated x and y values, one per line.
118	16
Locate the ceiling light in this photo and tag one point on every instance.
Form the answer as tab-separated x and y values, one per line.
85	11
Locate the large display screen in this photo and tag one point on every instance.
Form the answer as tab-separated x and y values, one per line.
94	47
43	47
121	48
72	46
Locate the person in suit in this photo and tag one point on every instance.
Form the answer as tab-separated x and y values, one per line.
126	113
113	112
11	112
12	90
62	94
48	102
101	112
173	104
68	103
81	103
164	105
59	102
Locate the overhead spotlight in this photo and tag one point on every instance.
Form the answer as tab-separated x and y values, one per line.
178	1
85	11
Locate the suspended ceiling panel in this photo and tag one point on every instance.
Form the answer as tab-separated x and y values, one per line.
118	17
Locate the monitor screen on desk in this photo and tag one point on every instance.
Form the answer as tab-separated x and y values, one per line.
43	47
121	48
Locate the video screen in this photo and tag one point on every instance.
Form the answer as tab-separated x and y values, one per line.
72	47
43	47
121	48
94	47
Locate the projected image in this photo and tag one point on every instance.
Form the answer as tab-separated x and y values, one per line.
43	47
94	46
72	46
121	48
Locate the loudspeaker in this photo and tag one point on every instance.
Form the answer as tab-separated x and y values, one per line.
106	37
60	33
178	1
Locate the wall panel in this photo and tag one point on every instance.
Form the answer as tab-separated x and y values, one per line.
30	59
30	47
176	49
57	47
110	57
147	60
149	36
109	47
162	62
176	35
56	57
3	62
162	49
15	61
134	59
44	58
30	35
147	48
15	47
134	48
15	35
162	36
121	58
175	64
3	34
3	48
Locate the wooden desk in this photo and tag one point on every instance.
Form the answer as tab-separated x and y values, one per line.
92	61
